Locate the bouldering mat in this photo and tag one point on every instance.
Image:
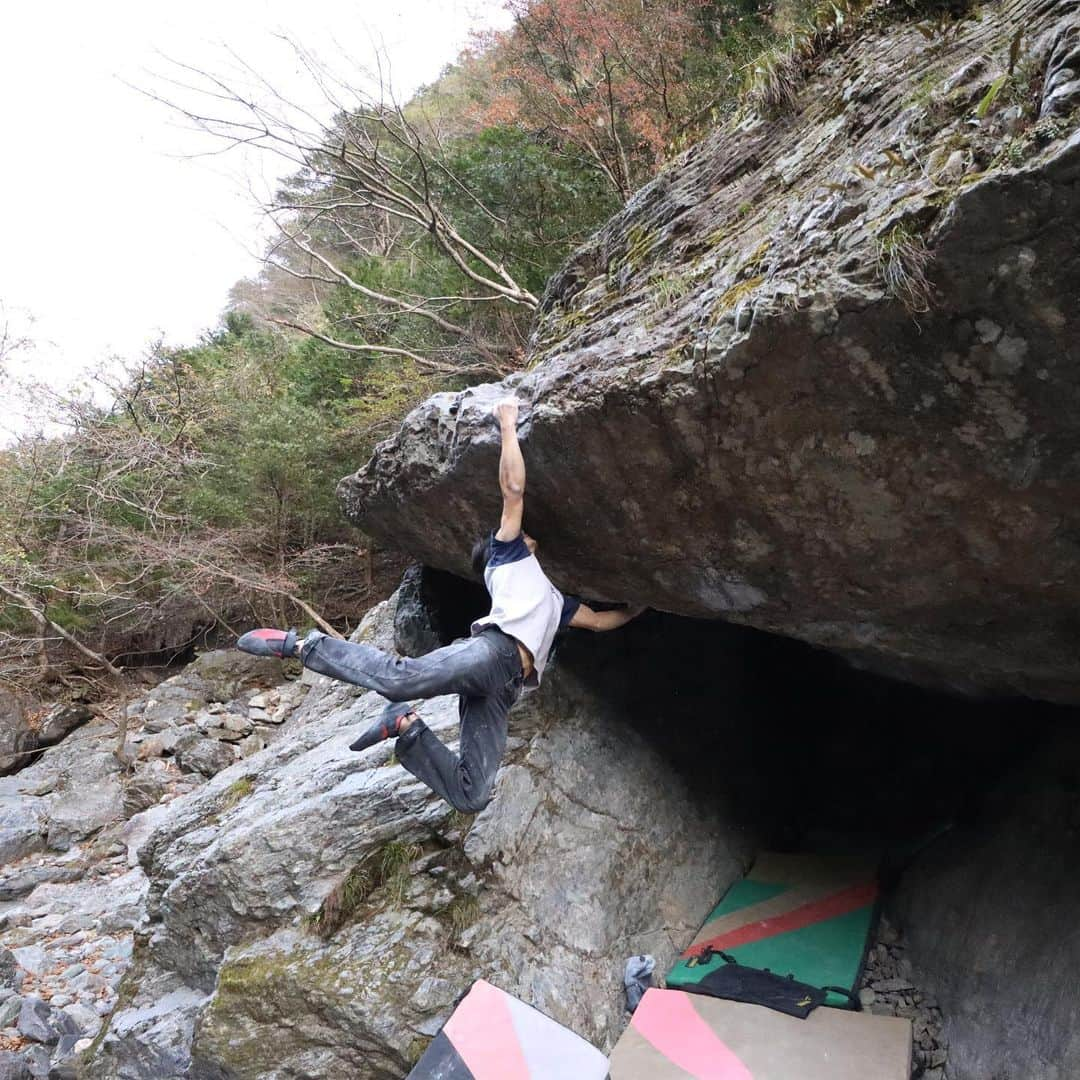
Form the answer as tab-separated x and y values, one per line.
678	1036
493	1036
808	916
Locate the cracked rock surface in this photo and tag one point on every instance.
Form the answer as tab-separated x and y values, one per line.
574	866
821	376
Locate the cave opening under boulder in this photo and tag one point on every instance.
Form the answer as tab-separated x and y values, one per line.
973	805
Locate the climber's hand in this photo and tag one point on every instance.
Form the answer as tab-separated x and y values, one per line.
506	411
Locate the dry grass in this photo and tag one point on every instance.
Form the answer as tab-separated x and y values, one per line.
239	789
902	261
387	867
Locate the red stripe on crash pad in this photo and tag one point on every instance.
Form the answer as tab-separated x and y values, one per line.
841	903
482	1032
668	1020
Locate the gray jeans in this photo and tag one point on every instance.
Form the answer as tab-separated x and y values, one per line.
484	671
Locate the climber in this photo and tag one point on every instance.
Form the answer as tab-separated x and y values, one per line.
507	652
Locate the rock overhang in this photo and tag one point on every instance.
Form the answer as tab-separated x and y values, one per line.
734	411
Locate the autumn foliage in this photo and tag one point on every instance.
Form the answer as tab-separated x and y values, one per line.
616	80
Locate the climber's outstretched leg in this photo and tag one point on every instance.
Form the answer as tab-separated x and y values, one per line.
468	666
464	780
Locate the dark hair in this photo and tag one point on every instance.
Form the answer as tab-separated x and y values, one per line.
481	552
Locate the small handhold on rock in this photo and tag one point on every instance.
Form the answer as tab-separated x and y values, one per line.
241	725
60	722
954	168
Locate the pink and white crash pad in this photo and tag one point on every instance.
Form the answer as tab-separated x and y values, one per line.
493	1036
674	1035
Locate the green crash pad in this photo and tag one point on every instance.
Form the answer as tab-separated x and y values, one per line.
678	1036
804	915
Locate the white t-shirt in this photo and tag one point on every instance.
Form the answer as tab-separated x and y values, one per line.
524	603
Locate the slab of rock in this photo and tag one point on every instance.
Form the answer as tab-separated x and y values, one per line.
738	408
14	1066
33	959
205	756
22	827
237	724
986	912
40	1022
87	1020
24	881
545	891
252	745
151	1037
144	789
84	809
414	634
17	738
60	722
10	1009
10	970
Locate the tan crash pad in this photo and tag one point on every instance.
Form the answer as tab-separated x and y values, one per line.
674	1035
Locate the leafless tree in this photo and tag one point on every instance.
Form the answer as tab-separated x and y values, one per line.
366	183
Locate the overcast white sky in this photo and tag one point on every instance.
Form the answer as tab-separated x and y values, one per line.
112	233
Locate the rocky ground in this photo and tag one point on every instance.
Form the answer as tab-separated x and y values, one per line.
248	898
244	898
71	892
889	988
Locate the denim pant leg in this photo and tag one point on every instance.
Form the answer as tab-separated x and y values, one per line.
465	781
464	667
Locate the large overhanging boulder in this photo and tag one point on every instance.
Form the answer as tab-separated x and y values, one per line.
822	376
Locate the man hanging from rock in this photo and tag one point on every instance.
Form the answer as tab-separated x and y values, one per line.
507	652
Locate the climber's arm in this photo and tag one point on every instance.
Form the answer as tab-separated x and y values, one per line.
587	619
511	472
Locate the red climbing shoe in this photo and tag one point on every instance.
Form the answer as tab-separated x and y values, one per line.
265	642
388	726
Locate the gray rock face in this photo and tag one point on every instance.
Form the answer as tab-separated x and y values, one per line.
22	828
83	809
60	722
13	1067
9	1011
738	408
413	633
72	902
988	911
150	1037
41	1023
206	756
16	737
9	970
546	891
